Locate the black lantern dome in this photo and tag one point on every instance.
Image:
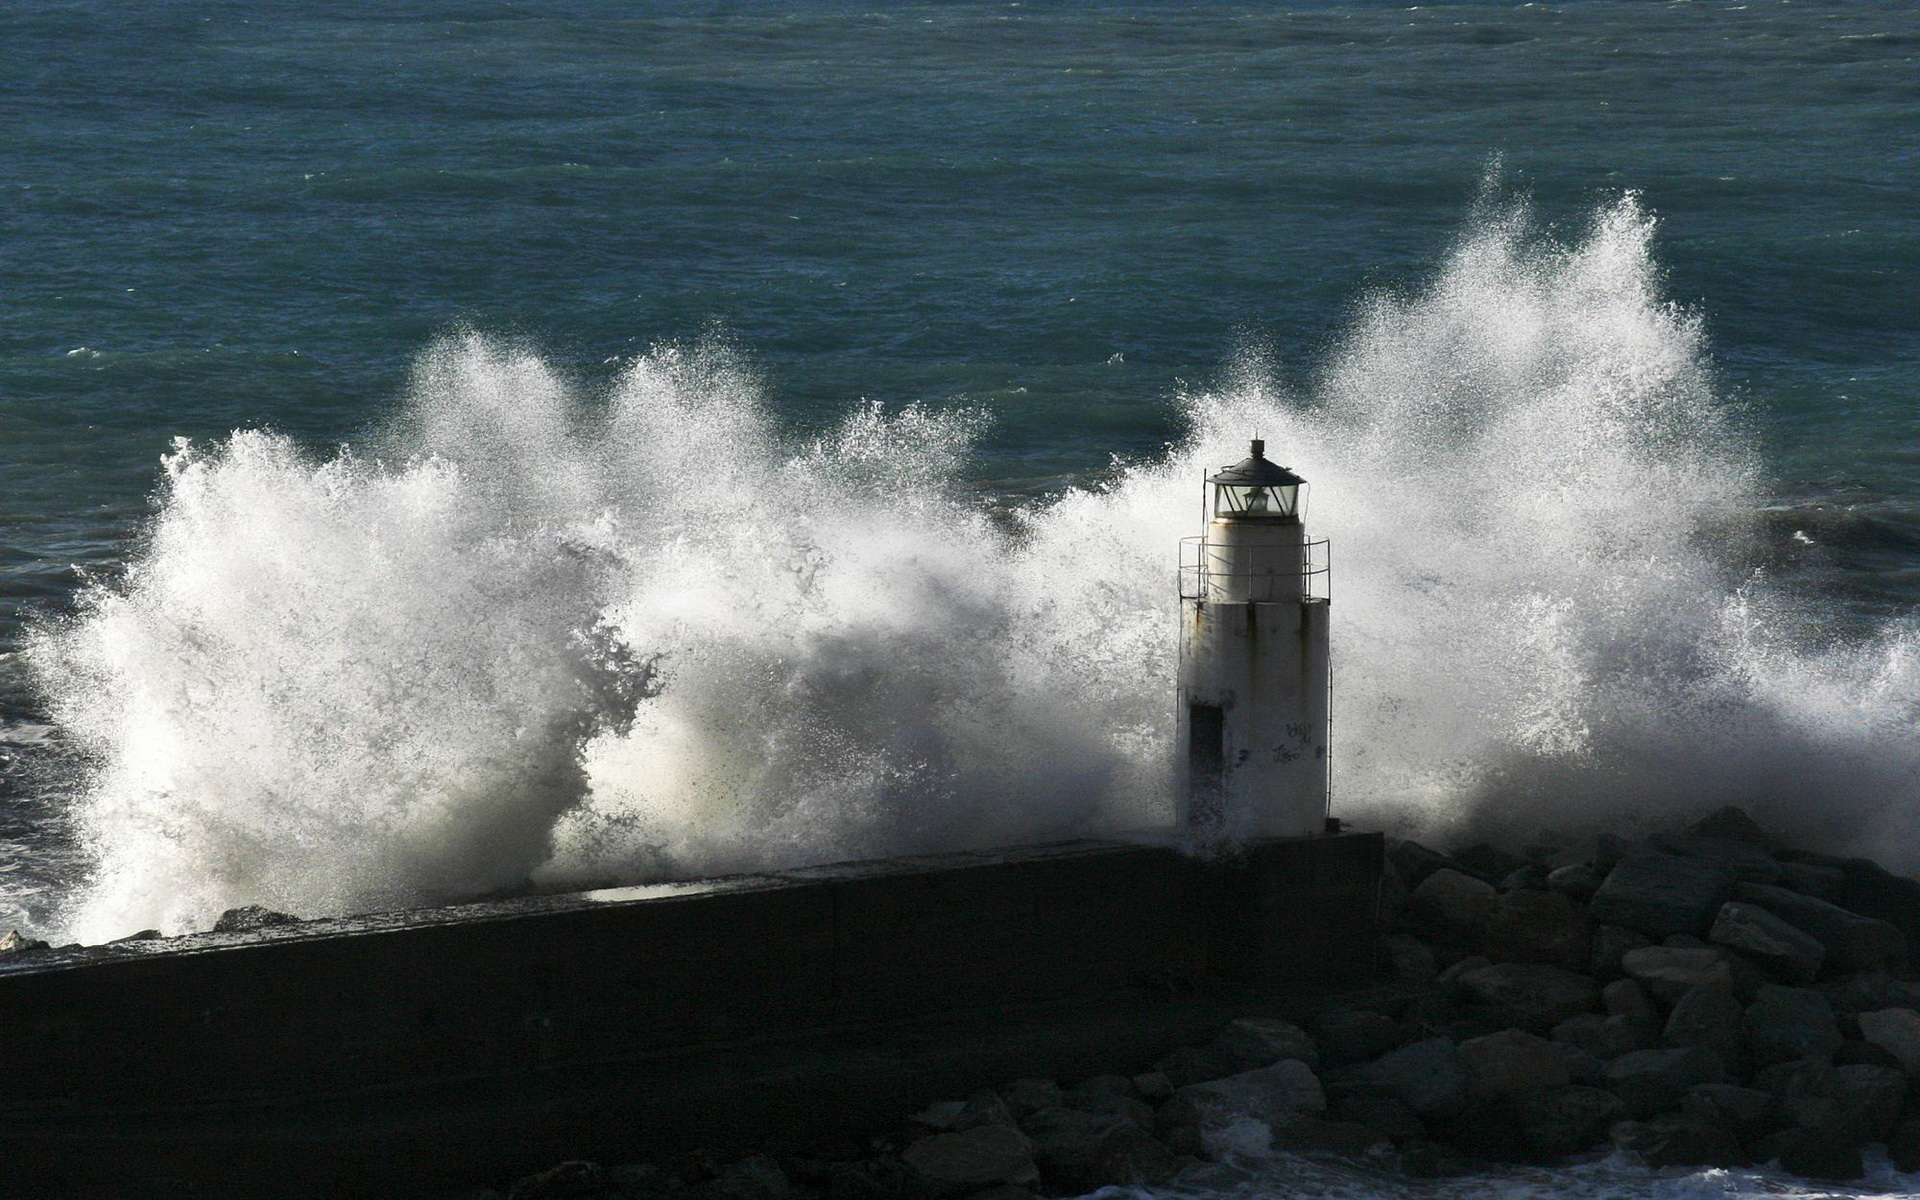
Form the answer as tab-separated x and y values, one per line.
1256	489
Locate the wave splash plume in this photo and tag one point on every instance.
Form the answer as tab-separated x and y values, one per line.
578	635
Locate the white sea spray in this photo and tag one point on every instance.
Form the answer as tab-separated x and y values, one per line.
583	633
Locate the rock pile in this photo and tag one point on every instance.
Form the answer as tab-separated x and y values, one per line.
1701	997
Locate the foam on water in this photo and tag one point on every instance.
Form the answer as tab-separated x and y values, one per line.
1255	1175
589	635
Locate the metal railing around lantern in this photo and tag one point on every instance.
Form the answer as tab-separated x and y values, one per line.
1316	571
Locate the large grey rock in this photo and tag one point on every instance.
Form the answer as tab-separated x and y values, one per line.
1818	1156
1565	1120
251	917
1749	1112
1537	927
1607	1037
1626	998
1414	862
756	1177
1712	1019
1112	1094
1080	1152
1732	824
1822	882
1268	1094
1377	1108
1610	946
18	943
1770	941
1868	1101
562	1181
1649	1081
957	1164
1576	881
1538	996
1426	1075
1262	1041
1869	991
1355	1035
1583	1068
1786	1023
1670	972
1511	1062
1746	860
1488	861
1450	901
1852	942
1412	960
1903	1145
1796	1077
1024	1097
1897	1031
1659	894
1194	1064
1677	1140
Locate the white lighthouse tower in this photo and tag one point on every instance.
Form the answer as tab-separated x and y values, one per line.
1253	661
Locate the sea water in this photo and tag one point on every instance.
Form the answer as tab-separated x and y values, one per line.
451	449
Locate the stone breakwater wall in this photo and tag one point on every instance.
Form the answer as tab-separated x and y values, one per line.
1699	997
400	1053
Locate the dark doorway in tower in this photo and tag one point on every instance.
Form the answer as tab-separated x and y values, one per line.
1206	763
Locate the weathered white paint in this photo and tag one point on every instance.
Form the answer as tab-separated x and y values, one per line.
1254	642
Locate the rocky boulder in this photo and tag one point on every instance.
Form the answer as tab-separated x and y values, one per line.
1648	1081
1262	1041
1427	1076
1576	881
1378	1108
1670	972
1270	1095
1897	1031
1852	942
1511	1062
1732	824
1770	941
1564	1120
1712	1019
1659	894
1112	1094
1611	943
1785	1023
1530	926
1538	996
1626	998
1746	860
1749	1112
1677	1140
1356	1036
1867	1103
1024	1097
1448	901
1607	1037
251	917
1078	1152
958	1164
18	943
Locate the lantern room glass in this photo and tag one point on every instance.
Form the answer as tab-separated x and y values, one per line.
1281	501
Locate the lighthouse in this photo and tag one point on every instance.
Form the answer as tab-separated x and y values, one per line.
1253	660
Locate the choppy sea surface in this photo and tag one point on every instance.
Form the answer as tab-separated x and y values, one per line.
445	447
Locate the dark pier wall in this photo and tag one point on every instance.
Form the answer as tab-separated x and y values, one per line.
394	1054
